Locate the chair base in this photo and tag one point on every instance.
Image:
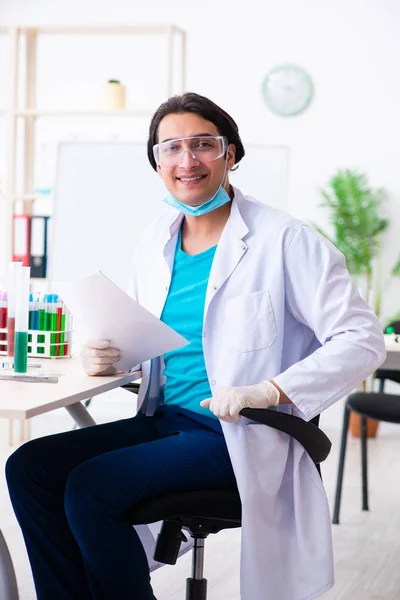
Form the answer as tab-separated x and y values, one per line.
196	589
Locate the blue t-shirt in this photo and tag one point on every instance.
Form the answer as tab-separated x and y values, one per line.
186	376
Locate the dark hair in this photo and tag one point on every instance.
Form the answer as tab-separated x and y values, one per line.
200	105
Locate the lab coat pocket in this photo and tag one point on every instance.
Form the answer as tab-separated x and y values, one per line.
251	322
268	451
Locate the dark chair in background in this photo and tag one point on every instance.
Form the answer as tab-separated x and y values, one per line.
368	405
383	374
204	512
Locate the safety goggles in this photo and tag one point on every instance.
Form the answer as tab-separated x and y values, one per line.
202	148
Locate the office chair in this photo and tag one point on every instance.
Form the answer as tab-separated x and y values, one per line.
203	512
373	405
383	374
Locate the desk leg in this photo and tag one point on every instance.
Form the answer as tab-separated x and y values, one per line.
80	415
8	582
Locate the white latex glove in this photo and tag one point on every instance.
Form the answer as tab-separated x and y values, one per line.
99	357
228	402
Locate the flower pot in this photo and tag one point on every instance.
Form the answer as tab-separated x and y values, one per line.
355	426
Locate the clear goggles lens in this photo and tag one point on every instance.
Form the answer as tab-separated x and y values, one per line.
203	149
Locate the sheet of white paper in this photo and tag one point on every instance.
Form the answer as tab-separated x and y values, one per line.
101	310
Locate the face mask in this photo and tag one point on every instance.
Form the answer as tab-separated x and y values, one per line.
220	198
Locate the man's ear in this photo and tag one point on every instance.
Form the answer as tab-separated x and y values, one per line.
231	155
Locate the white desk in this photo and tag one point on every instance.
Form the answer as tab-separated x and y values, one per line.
20	400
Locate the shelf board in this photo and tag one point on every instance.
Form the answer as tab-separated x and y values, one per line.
96	30
25	197
84	113
101	29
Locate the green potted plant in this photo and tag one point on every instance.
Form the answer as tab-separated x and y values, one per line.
357	227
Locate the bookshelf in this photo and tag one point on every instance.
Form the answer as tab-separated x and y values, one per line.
22	61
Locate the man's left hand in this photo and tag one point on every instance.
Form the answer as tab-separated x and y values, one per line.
228	402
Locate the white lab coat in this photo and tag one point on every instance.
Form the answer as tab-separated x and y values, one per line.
280	305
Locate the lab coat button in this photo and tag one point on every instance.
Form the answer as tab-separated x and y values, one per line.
243	247
166	288
204	334
214	287
213	382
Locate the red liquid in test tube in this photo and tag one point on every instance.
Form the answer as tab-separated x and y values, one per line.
10	335
3	317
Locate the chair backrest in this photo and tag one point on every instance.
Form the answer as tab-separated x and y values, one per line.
395	325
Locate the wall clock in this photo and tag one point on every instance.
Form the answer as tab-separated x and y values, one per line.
287	90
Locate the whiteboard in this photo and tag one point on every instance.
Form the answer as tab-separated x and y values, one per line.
106	193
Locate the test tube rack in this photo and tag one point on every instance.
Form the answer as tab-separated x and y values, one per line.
43	344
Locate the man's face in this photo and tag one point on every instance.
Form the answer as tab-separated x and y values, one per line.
193	182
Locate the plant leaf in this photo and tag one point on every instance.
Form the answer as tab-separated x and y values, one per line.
354	215
396	269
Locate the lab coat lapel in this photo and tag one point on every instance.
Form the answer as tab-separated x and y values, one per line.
169	240
231	249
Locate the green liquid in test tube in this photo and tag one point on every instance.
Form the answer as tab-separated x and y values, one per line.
42	313
21	352
41	321
22	320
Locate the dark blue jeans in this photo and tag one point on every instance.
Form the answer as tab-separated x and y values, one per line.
71	493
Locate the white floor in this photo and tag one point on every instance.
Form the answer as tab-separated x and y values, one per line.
367	544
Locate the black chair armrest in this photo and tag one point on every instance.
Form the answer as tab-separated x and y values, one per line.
311	437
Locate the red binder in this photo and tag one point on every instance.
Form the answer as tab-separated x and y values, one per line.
21	241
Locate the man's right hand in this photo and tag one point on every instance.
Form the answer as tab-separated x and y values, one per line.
99	358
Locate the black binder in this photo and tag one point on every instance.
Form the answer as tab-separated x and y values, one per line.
39	245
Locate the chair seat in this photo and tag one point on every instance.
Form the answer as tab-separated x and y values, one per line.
216	505
376	405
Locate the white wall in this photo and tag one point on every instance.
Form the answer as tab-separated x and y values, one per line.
351	49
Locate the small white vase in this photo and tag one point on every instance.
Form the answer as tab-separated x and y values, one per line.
113	95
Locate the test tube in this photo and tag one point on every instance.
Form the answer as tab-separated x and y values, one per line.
61	326
53	323
22	320
12	276
58	305
41	321
66	326
35	313
3	318
30	311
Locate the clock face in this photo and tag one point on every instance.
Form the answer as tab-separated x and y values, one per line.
287	90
